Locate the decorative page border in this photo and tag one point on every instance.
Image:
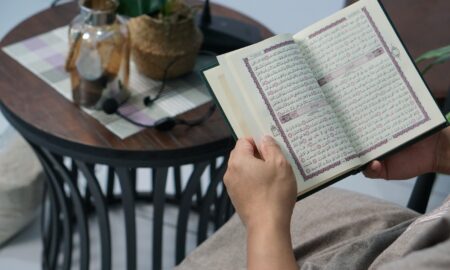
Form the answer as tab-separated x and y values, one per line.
279	45
331	25
363	152
402	75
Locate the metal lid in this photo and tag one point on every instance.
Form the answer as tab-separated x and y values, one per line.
101	14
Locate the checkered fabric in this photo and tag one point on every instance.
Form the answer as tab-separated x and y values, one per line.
45	54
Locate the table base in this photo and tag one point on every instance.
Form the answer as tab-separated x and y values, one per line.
71	204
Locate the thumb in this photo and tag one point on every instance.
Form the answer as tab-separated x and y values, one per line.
376	169
269	148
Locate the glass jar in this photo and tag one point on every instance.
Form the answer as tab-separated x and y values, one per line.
99	55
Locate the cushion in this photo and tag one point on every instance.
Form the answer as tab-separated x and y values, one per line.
21	184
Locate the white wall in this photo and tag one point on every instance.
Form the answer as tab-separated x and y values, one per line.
287	16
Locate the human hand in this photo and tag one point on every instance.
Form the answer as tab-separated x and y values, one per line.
261	185
262	188
429	155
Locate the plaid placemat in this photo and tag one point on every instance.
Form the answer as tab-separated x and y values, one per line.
45	55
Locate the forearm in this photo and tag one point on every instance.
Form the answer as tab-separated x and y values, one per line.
269	247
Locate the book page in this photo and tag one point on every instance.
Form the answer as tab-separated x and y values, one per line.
232	106
284	98
368	79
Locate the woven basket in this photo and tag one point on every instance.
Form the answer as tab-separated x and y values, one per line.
158	45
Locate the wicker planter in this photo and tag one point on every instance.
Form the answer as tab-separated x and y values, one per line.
158	45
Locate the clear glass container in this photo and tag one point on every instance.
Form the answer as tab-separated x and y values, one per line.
99	55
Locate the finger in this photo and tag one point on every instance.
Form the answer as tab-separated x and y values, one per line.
256	153
244	147
376	169
241	157
269	148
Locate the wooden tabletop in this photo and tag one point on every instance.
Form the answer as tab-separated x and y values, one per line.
40	106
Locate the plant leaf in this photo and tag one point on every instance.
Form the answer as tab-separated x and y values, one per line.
168	7
439	60
436	53
447	116
155	6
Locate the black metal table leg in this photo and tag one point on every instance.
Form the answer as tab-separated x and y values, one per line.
128	197
44	228
102	212
177	182
110	185
184	208
65	215
159	196
205	209
80	215
49	258
50	236
62	188
421	192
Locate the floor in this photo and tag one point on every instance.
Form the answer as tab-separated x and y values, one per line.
23	252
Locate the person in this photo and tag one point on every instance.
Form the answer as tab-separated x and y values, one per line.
332	229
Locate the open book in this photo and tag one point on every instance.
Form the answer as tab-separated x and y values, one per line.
335	95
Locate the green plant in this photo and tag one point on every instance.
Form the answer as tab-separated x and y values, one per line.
133	8
437	56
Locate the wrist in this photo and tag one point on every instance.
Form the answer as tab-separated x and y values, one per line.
269	246
271	226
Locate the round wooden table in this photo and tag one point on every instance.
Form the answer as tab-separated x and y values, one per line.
59	131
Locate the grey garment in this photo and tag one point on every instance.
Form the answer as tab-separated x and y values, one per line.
337	229
425	244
